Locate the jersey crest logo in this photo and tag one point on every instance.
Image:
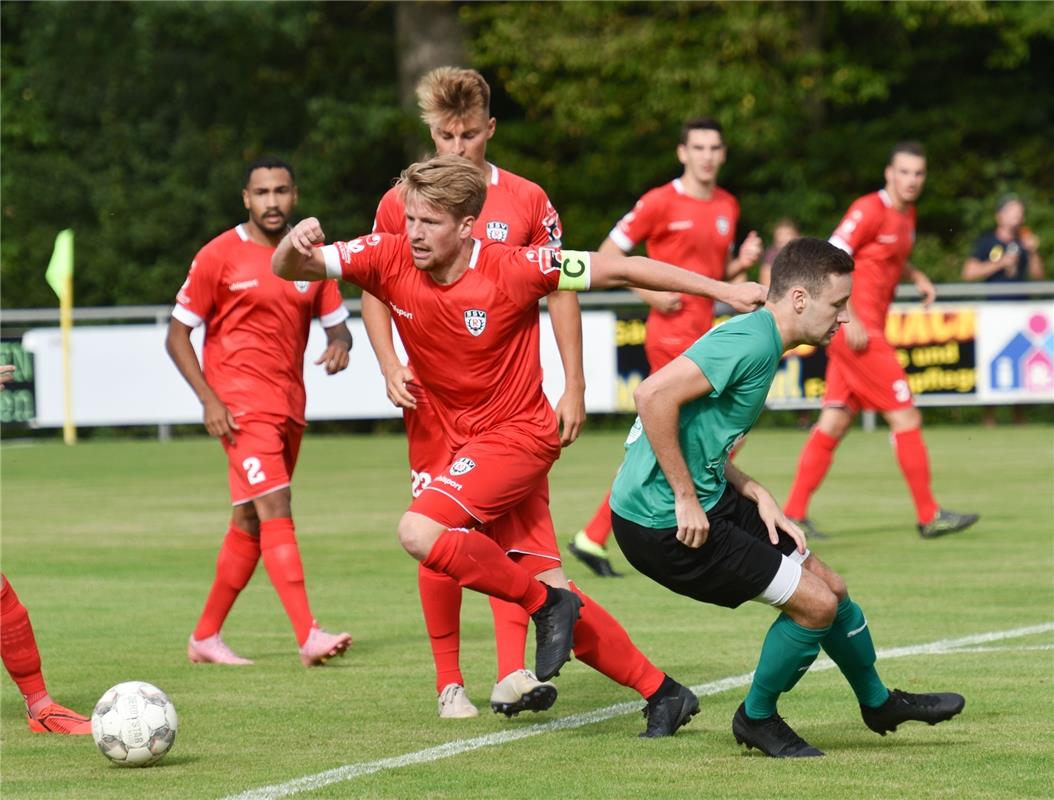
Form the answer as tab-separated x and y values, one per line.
723	226
302	286
461	466
476	321
498	231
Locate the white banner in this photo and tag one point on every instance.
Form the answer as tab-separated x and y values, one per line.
1015	352
123	376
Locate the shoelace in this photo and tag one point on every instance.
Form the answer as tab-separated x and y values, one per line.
907	698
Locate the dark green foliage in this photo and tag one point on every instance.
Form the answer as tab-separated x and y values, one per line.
812	95
132	122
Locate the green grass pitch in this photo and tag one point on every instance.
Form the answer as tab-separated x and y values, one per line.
111	547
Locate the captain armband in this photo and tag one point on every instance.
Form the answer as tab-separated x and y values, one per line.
574	271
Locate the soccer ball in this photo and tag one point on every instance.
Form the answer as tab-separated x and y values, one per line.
134	724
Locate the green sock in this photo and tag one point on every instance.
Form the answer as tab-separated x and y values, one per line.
850	647
788	651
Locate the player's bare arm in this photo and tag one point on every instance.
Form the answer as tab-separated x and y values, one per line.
768	509
296	258
338	344
218	419
749	253
927	290
615	272
378	321
659	399
7	374
566	317
663	302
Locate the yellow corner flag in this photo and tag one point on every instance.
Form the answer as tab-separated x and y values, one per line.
60	277
60	271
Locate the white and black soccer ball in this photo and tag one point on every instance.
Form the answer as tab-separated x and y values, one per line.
134	724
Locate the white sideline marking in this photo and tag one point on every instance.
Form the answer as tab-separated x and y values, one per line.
351	771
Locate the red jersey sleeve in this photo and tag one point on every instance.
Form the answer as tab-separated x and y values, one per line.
639	223
198	293
546	228
860	224
390	216
530	273
329	305
366	261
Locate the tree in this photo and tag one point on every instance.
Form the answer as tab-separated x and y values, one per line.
133	122
812	97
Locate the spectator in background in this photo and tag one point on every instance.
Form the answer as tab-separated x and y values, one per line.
785	231
1007	254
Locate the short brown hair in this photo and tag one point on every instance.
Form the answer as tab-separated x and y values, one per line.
448	92
450	183
911	148
807	262
700	124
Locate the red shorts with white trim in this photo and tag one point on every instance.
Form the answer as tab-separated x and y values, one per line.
263	456
497	482
871	378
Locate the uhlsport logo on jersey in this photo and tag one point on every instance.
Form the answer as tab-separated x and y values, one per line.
302	286
723	226
461	466
498	231
476	321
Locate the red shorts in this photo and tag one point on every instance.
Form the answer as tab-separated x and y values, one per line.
871	378
263	456
428	451
497	482
659	356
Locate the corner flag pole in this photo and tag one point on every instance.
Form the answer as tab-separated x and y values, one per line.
60	276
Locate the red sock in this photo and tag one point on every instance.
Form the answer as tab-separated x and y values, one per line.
441	604
602	643
510	635
281	559
915	464
598	529
234	567
475	561
18	648
813	464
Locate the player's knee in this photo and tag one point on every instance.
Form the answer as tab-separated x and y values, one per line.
825	608
415	536
904	419
244	517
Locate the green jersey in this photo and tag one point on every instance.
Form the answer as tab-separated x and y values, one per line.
739	359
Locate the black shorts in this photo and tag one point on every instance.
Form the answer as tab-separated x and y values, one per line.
736	564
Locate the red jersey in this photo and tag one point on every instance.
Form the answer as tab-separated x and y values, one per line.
687	232
516	212
473	343
880	239
256	324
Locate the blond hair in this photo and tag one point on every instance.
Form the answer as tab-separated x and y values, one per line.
452	93
450	183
